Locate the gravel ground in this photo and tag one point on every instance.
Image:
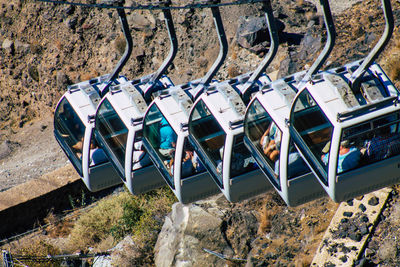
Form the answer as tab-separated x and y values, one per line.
30	153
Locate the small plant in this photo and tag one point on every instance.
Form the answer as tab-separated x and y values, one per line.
71	202
265	220
120	44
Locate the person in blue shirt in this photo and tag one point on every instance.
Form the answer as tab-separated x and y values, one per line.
167	139
349	157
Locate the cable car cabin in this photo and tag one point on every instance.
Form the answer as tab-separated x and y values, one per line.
267	137
216	129
351	140
119	131
165	136
73	130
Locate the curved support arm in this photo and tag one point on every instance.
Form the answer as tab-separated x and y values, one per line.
172	52
355	79
223	51
128	48
330	42
273	49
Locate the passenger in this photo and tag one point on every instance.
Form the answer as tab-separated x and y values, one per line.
188	167
383	145
349	157
270	142
97	155
167	139
219	161
187	163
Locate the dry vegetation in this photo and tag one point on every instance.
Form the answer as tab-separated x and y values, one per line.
101	226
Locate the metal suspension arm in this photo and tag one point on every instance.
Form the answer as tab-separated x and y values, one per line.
128	46
273	49
172	52
330	42
223	51
355	79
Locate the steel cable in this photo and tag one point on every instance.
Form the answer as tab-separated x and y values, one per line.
155	6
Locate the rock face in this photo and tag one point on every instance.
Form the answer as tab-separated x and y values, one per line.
186	232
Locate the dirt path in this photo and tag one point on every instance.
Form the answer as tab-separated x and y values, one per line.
30	153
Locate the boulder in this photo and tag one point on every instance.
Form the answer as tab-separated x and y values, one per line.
310	45
125	253
252	33
8	46
188	231
62	80
21	47
71	22
5	149
140	22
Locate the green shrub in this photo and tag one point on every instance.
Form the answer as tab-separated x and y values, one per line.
124	214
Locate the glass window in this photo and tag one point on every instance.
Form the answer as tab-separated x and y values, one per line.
140	158
241	160
314	128
265	136
210	137
370	142
113	133
70	132
296	165
162	138
97	155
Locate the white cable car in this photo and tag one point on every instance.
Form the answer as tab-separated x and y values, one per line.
73	123
345	123
165	132
216	128
268	138
118	123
